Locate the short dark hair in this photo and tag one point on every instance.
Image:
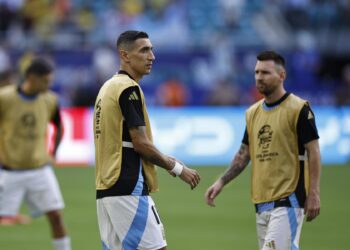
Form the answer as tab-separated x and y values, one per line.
130	36
39	66
272	55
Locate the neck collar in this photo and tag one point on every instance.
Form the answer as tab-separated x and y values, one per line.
125	73
270	105
24	95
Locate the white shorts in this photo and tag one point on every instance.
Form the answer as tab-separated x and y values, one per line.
38	188
279	228
129	223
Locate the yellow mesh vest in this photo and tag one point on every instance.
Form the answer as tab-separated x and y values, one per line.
273	147
108	126
23	128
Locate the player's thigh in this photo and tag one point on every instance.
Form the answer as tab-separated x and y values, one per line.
134	222
12	190
153	237
284	229
43	193
109	237
262	221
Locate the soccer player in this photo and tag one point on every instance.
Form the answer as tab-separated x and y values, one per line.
281	140
26	169
5	80
126	156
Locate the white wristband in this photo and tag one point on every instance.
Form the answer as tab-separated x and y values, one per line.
177	169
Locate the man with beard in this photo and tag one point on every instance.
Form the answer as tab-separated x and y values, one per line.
126	157
281	140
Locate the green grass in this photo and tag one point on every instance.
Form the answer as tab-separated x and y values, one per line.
189	222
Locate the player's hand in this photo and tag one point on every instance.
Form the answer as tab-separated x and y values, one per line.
190	176
312	207
213	191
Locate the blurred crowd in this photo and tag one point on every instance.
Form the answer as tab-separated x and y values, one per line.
205	50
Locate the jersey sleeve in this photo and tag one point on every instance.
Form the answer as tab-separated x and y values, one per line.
306	126
131	107
51	100
245	139
56	118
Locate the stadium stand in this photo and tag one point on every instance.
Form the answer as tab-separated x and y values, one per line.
204	43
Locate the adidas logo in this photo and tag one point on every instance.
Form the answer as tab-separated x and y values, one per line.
271	244
133	96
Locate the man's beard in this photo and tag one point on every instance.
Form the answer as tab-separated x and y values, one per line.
265	90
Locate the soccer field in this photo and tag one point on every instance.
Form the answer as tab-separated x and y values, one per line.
189	222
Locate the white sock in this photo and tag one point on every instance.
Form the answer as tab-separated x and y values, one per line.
62	243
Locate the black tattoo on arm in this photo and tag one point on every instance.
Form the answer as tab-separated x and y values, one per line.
238	164
147	149
157	158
